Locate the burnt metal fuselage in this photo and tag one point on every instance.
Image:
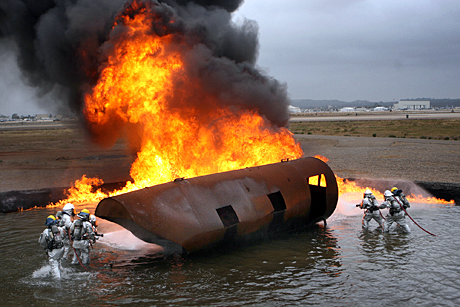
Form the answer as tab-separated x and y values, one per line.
198	213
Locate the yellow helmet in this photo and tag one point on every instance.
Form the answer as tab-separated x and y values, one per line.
50	220
84	214
393	189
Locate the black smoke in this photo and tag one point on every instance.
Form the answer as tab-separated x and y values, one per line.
48	35
61	44
228	5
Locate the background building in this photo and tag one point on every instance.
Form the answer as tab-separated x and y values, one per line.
43	116
347	109
412	104
294	109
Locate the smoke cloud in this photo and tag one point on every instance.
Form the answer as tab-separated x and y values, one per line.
62	45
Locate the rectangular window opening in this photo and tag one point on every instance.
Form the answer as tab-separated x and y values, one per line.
228	216
322	182
317	180
277	201
313	180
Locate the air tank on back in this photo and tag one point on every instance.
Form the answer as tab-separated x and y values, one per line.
189	215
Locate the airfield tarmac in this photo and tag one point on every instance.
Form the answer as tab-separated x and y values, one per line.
352	116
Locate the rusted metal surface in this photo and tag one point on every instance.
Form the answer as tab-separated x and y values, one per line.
197	213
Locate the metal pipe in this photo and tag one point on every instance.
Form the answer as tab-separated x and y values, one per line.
197	213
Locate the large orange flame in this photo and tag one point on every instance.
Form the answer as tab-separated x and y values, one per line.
131	100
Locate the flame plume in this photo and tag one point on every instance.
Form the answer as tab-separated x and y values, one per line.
133	98
345	186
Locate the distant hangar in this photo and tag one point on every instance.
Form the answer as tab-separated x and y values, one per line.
412	104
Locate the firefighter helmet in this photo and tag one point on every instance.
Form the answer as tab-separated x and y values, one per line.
50	220
69	209
387	193
84	214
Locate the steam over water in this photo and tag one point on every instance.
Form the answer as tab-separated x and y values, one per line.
337	266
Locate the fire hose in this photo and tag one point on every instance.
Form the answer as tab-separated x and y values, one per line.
402	207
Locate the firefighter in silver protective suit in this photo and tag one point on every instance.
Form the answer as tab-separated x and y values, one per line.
51	241
372	207
93	221
83	236
396	213
401	197
65	221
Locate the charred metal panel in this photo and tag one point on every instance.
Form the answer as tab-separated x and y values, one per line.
200	212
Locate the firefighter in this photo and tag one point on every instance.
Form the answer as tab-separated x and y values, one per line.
60	221
51	241
372	207
395	213
93	221
401	197
68	212
82	236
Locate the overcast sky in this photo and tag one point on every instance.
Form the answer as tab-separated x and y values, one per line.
376	50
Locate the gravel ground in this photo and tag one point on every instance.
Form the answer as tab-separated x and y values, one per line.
28	165
41	168
387	158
